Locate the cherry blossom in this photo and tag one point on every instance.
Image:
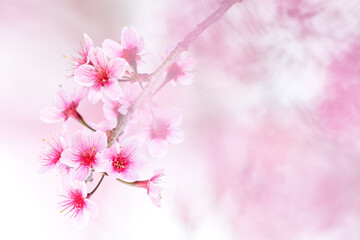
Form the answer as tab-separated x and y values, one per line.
162	130
123	159
76	202
100	75
65	107
50	158
180	71
153	187
130	48
83	53
84	154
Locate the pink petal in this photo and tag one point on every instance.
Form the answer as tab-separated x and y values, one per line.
80	185
113	90
79	94
128	38
186	79
117	67
81	220
45	168
158	147
63	99
94	96
88	43
91	207
130	92
85	75
51	115
81	173
100	140
172	117
67	158
98	58
175	135
123	109
111	48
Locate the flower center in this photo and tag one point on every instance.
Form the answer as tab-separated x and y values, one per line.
174	71
71	111
120	162
78	200
102	77
88	158
159	129
130	56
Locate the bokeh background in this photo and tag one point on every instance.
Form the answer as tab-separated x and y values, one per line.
272	146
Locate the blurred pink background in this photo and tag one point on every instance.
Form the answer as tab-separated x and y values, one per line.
272	146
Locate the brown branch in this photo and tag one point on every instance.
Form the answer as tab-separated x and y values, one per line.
155	76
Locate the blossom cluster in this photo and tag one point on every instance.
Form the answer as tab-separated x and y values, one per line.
110	74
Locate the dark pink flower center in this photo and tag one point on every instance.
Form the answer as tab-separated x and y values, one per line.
130	56
102	77
88	158
174	71
159	129
77	200
121	161
71	111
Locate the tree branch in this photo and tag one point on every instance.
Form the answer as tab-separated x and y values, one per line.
155	76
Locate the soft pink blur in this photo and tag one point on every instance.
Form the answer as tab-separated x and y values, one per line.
271	120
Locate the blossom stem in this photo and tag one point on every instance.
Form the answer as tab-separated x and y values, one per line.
154	77
93	191
141	184
82	121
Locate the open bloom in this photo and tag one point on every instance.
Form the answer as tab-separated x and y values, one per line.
180	70
50	158
130	48
153	187
83	53
164	128
65	107
123	160
84	154
76	202
100	75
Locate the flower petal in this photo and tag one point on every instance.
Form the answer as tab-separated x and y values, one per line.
98	58
94	96
113	90
129	38
175	135
111	48
158	147
92	208
81	220
81	173
85	75
51	115
172	117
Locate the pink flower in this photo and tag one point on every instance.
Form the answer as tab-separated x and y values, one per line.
77	204
163	129
101	75
65	107
152	186
84	154
50	158
83	53
180	70
123	160
130	48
